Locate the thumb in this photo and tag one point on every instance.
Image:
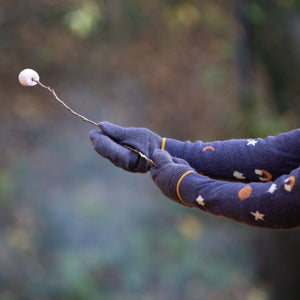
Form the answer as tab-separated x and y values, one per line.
180	161
161	157
112	130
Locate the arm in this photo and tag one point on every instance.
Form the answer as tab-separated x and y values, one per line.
253	160
273	205
250	159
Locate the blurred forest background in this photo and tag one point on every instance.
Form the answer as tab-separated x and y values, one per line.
75	227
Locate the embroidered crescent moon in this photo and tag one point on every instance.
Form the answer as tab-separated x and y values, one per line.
208	148
289	183
263	175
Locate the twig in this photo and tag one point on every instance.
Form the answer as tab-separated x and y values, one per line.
52	91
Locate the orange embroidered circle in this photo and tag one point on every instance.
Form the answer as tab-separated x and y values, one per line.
245	192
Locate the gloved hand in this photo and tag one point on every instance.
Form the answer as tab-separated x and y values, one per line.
169	175
108	143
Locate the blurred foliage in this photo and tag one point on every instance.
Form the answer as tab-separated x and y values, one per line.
73	226
85	18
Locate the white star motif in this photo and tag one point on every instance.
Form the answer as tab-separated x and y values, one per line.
200	200
251	142
238	175
272	188
257	215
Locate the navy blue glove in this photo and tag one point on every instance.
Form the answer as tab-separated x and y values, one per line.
241	159
169	173
273	205
108	143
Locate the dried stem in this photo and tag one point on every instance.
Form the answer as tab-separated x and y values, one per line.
51	90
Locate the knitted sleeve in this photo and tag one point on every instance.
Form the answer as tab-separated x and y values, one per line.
246	159
273	205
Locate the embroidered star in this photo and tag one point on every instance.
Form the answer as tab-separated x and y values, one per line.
238	175
258	216
200	200
272	188
251	142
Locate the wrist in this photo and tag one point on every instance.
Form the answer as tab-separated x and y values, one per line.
190	152
179	189
174	147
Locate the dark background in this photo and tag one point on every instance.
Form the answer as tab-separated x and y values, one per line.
75	227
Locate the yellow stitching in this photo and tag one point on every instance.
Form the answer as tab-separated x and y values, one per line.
163	144
178	185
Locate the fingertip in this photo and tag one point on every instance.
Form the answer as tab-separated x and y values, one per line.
94	134
160	157
106	126
103	123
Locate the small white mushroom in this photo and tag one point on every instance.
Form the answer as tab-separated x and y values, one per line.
28	77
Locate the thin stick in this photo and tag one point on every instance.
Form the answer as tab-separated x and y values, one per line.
52	91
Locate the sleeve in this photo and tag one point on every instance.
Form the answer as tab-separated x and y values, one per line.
273	205
243	159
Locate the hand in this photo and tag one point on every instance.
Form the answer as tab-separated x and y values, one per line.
169	173
108	143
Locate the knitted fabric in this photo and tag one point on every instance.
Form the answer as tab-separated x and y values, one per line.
109	140
247	159
266	191
262	202
169	174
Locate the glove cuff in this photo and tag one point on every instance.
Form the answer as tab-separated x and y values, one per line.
177	188
174	147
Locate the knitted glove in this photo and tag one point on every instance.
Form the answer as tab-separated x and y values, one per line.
269	205
241	159
108	143
169	173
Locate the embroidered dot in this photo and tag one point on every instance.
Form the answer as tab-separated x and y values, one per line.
289	183
245	192
208	148
263	175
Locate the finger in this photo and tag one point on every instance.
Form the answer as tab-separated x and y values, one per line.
112	130
161	157
107	148
94	134
180	161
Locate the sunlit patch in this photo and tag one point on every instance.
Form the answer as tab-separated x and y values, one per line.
289	183
245	192
208	148
263	175
189	226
